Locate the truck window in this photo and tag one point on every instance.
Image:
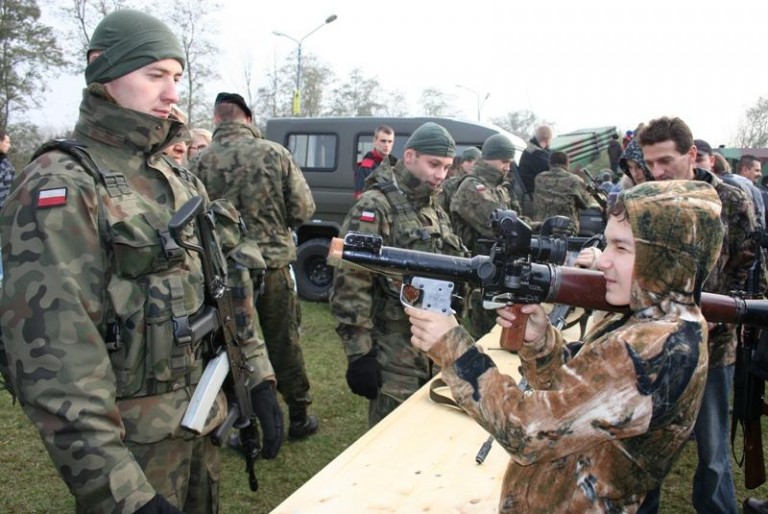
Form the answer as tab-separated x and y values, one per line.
314	152
365	145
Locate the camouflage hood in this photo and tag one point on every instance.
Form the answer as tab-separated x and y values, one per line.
678	234
634	152
107	122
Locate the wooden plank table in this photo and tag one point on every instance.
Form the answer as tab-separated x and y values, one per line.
419	459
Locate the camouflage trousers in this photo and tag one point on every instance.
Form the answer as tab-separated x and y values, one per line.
481	321
404	368
280	316
186	472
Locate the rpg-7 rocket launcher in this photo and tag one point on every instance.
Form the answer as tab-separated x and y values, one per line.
512	273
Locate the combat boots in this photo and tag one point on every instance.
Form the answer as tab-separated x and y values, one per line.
301	425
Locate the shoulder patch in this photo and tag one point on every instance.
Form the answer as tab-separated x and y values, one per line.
52	197
368	216
480	187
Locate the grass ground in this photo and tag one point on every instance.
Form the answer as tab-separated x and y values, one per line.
31	485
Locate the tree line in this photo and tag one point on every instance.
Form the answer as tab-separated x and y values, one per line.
32	52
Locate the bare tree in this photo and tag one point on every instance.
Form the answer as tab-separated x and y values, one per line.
80	18
521	123
29	56
435	102
358	96
753	128
394	104
194	27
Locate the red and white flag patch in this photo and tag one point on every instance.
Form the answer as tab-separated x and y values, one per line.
368	216
480	187
52	197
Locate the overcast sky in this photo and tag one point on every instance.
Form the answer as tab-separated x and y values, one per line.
576	63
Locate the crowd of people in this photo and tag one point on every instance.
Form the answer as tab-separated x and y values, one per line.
99	296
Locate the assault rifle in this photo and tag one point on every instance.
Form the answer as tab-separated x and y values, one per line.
215	323
597	192
509	275
749	383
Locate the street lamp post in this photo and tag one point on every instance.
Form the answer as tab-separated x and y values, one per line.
477	97
297	91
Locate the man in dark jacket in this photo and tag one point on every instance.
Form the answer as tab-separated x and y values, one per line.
535	158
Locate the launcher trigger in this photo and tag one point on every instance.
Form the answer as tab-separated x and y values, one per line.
427	293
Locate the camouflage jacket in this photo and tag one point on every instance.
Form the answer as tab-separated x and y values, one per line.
477	197
90	299
359	299
560	193
448	189
263	182
601	423
736	258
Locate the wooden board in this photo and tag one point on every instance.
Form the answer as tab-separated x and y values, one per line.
419	459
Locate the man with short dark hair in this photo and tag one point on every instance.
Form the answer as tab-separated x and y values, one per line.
560	193
748	171
670	154
264	183
383	139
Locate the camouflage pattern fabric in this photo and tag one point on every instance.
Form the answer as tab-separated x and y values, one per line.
602	423
263	182
266	186
734	262
478	195
80	256
367	306
448	190
560	193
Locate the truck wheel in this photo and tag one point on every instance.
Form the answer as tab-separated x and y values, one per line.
313	274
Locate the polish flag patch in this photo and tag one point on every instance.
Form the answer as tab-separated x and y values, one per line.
480	187
368	216
52	197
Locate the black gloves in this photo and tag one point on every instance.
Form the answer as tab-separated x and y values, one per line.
158	505
267	409
364	376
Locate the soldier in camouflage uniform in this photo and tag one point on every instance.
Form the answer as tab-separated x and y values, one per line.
448	188
382	364
603	421
263	182
560	193
94	288
477	196
670	154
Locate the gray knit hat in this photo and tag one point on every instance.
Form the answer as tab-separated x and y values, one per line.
471	154
129	40
498	146
432	139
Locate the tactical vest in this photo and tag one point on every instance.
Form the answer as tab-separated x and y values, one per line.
409	231
148	310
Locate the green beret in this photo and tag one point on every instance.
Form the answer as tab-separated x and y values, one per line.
471	154
498	147
129	40
432	139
